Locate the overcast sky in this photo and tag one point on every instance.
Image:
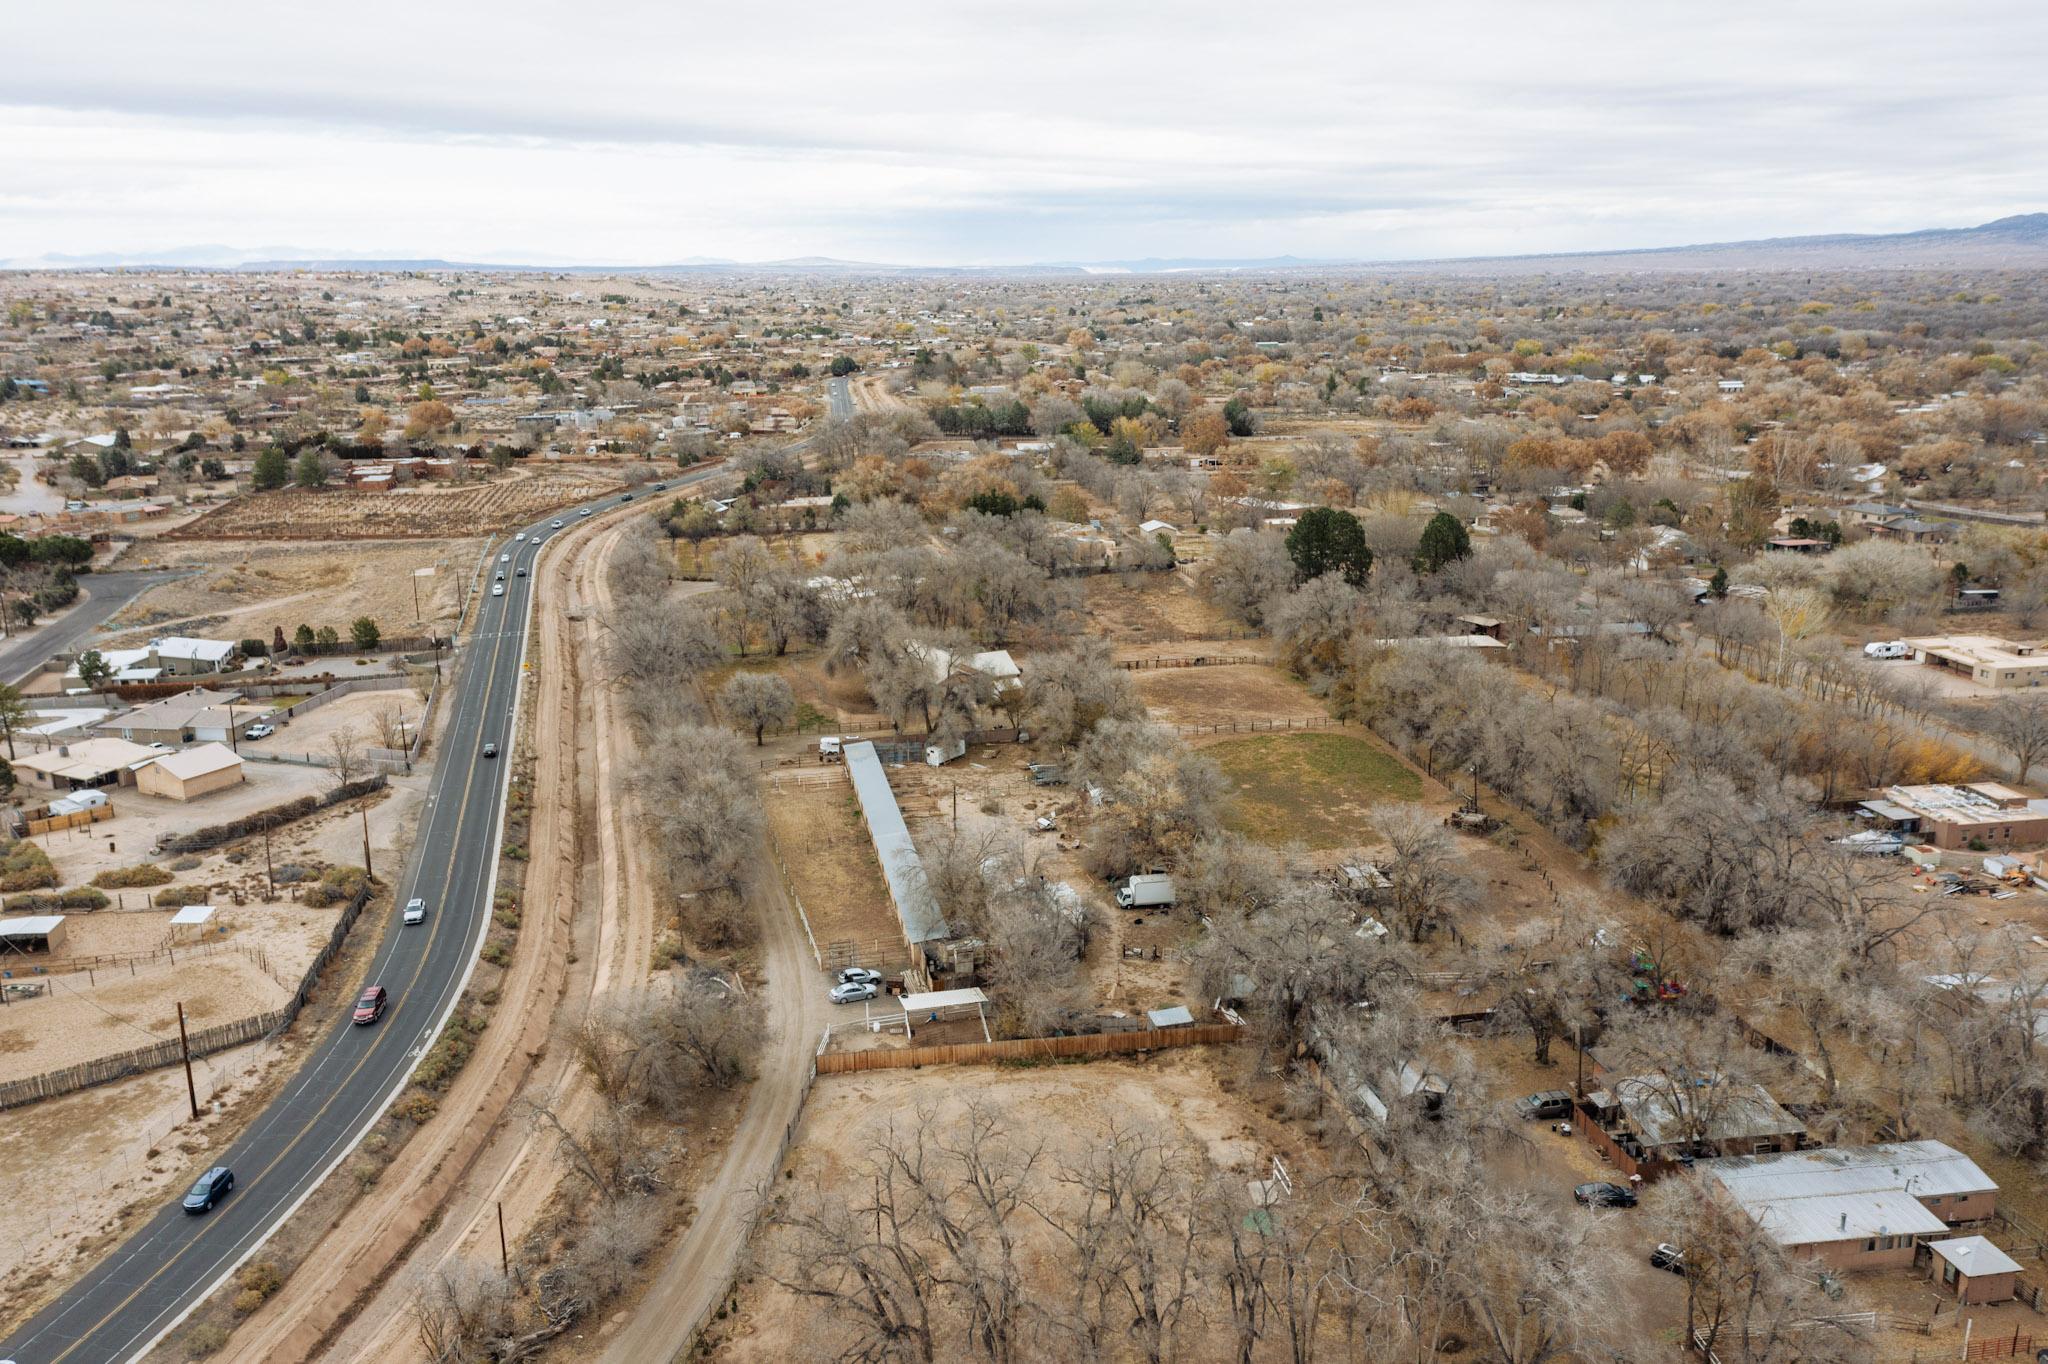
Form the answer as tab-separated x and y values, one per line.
973	133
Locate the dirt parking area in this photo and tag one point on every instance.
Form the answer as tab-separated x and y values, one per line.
359	714
243	590
139	820
1185	1097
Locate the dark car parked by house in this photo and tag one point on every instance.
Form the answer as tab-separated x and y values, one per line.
1604	1195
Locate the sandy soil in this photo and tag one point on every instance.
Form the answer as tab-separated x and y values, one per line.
77	1021
251	589
139	820
1177	1093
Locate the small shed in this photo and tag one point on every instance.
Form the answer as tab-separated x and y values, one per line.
1176	1017
936	1005
37	934
1975	1270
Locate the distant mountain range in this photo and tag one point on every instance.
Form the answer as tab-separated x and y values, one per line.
2019	242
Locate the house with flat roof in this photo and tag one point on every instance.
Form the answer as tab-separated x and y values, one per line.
1676	1117
1856	1207
1984	659
196	716
1985	813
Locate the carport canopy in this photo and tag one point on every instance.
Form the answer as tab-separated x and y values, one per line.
191	916
942	1004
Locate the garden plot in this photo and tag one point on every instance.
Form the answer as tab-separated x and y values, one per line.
424	510
824	844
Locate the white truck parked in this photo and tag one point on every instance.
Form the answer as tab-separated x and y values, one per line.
1145	891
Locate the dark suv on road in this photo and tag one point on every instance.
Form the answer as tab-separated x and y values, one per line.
211	1188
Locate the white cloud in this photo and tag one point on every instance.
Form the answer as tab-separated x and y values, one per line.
942	133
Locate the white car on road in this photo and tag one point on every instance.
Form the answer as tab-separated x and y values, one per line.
415	911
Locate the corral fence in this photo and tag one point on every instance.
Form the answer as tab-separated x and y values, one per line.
92	965
1029	1049
1195	661
1284	725
102	1070
2001	1346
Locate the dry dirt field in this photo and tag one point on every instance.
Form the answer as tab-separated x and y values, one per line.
1182	1095
1316	789
97	1152
244	590
79	1021
1224	695
425	510
1153	608
824	843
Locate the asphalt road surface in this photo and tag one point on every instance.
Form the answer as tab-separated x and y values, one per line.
839	399
147	1285
105	593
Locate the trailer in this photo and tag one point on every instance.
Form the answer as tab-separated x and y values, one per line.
1145	891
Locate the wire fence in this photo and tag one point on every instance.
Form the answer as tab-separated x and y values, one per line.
1029	1049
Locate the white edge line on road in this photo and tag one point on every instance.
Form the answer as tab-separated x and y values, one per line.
376	1111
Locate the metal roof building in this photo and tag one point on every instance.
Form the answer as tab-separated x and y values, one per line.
902	868
1894	1192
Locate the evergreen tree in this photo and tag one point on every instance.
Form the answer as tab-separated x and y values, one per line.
1444	540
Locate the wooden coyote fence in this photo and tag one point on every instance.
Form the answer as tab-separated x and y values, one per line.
1028	1049
103	1069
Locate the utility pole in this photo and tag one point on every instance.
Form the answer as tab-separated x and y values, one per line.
504	1256
1579	1046
364	811
415	599
269	872
185	1050
956	807
404	748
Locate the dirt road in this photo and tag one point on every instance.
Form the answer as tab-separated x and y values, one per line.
700	1269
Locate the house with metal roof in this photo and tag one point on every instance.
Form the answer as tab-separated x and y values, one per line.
1857	1207
917	910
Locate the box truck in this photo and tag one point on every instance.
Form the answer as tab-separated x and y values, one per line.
1145	891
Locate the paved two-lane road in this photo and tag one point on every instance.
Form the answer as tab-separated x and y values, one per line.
148	1284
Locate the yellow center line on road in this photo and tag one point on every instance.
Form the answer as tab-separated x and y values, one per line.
455	845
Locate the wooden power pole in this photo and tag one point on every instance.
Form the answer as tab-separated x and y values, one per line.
185	1050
